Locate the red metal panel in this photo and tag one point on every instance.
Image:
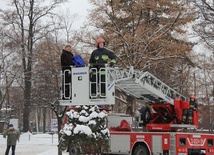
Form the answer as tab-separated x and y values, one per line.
166	142
158	127
185	105
177	103
141	137
179	113
194	141
195	118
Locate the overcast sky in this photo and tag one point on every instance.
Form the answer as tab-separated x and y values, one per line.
79	7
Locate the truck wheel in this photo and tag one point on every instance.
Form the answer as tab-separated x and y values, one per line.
141	150
145	115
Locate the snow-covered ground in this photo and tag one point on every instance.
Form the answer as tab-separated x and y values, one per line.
33	144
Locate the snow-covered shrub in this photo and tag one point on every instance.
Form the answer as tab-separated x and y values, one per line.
85	129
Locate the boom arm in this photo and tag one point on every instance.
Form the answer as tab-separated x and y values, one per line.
144	86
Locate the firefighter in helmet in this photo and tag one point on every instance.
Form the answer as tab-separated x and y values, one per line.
188	113
99	58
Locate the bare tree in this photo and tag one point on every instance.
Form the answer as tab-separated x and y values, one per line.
25	27
204	30
203	27
47	69
10	74
66	21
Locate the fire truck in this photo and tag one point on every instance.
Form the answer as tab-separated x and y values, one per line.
157	130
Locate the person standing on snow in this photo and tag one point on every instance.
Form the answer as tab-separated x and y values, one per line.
98	59
66	63
12	136
188	113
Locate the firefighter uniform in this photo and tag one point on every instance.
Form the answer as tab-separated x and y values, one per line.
98	59
188	113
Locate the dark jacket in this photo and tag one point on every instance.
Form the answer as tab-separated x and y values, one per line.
101	56
193	104
12	136
66	60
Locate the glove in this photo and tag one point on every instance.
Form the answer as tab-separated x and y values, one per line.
4	136
111	64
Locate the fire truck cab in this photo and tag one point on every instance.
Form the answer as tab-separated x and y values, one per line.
159	128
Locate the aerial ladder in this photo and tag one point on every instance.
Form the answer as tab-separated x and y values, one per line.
164	106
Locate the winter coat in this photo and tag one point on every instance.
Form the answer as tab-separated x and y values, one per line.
66	60
12	136
101	56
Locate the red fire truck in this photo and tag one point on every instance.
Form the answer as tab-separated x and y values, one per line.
158	129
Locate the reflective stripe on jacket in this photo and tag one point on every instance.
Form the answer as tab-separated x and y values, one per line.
100	57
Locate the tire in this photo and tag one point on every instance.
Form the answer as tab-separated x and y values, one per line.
140	150
145	115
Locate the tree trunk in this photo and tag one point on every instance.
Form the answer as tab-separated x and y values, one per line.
27	102
28	70
59	121
44	119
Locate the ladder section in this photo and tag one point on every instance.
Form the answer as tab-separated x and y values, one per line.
158	88
119	74
124	79
147	87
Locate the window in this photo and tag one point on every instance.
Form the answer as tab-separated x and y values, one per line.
182	141
209	142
